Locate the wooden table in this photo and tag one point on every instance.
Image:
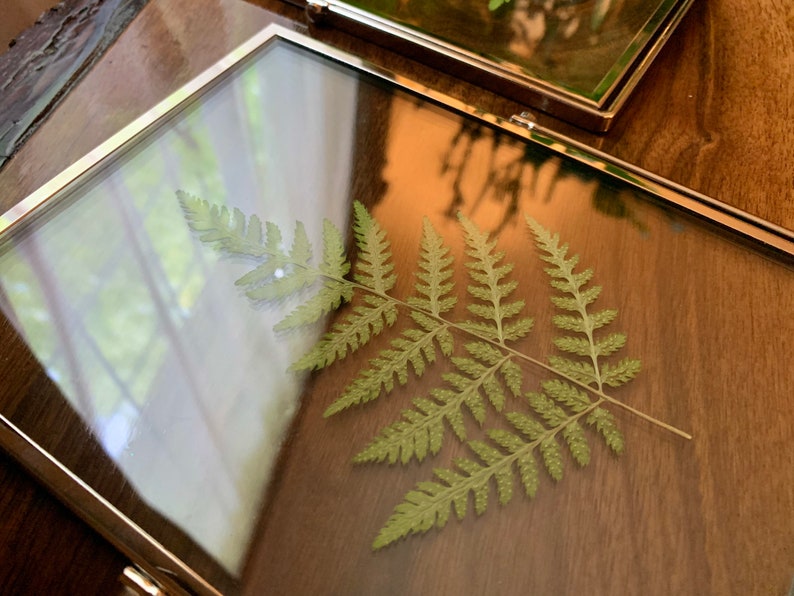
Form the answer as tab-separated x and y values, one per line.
715	113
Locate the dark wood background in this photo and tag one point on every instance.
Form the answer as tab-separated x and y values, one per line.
714	113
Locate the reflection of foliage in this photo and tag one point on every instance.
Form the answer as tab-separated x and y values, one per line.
559	11
484	371
572	43
505	182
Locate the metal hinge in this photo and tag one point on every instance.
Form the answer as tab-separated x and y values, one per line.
524	120
316	10
141	583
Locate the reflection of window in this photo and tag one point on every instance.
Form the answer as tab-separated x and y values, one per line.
182	382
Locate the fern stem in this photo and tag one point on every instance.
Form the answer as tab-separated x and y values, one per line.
597	392
646	417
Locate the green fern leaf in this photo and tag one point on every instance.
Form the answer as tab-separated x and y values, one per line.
528	471
517	329
577	443
227	230
603	317
581	371
584	325
416	346
586	297
484	352
506	440
513	376
413	348
335	288
301	250
424	424
580	346
552	457
451	402
429	504
610	344
284	287
275	263
589	371
526	425
567	395
621	373
468	393
434	287
547	409
418	434
605	425
570	323
373	268
469	366
491	289
488	370
328	298
480	329
356	331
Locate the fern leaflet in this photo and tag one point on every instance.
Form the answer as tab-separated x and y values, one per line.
228	230
421	430
490	288
577	300
507	452
374	272
416	346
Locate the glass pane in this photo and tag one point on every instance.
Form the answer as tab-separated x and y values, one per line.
580	45
171	347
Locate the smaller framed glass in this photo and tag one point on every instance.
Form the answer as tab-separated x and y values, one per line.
578	60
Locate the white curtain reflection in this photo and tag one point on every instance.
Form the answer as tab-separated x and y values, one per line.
182	381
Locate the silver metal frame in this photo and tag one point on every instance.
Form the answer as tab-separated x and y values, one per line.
595	115
152	557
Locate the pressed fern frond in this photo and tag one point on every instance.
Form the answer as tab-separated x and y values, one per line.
281	274
434	287
421	430
356	330
334	289
373	268
556	416
414	348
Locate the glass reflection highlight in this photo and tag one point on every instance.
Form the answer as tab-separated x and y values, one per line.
180	380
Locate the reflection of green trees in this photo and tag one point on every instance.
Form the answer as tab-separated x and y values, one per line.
105	267
572	43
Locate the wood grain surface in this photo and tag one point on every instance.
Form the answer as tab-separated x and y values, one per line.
47	60
712	516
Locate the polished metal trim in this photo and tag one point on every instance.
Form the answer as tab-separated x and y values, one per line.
139	582
578	108
169	571
162	565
